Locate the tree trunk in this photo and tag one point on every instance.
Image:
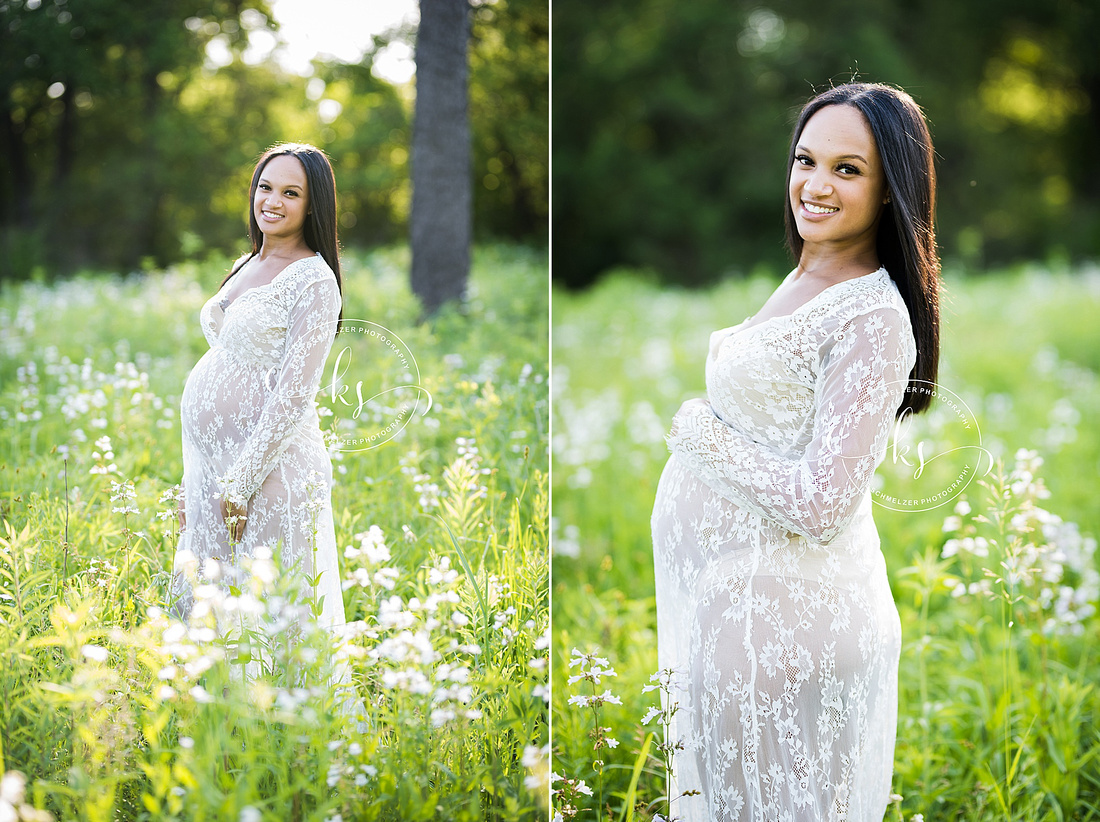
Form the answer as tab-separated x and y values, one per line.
18	210
441	202
20	249
66	139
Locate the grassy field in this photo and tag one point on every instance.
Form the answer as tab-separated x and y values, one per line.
112	710
997	589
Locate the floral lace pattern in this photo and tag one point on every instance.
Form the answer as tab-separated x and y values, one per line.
251	430
772	594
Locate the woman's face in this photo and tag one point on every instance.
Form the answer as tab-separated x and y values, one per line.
282	197
838	187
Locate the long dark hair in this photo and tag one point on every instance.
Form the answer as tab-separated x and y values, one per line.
906	232
320	226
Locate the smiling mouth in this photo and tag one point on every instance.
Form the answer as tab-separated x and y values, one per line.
271	215
817	209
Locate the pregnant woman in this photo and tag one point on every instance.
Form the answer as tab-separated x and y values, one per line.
255	468
772	593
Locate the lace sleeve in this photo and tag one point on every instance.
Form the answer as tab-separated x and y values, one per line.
860	386
294	385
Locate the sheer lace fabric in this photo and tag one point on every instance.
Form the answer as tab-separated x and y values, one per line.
772	594
251	431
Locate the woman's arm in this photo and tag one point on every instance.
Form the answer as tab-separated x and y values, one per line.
312	326
860	387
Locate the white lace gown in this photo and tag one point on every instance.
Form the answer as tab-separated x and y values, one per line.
250	426
772	594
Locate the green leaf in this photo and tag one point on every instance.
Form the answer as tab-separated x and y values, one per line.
627	814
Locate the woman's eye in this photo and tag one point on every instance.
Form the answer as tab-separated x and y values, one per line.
847	169
292	194
264	187
803	160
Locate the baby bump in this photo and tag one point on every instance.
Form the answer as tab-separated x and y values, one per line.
691	523
222	400
665	502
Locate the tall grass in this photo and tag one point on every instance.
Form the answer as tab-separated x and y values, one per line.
431	704
997	588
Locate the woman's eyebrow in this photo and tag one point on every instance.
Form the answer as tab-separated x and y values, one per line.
859	157
288	185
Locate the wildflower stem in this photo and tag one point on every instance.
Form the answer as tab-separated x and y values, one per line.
922	667
1007	659
65	550
126	597
598	734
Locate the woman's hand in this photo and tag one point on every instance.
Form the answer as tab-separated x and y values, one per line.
234	516
685	409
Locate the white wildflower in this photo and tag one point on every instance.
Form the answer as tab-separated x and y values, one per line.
96	653
608	697
12	786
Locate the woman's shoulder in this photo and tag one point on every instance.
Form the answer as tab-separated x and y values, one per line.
873	293
865	307
240	263
311	282
307	271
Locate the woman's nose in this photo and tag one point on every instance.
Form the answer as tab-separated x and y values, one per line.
817	183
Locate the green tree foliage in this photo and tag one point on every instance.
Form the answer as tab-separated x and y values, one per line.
509	107
122	143
94	123
672	122
370	143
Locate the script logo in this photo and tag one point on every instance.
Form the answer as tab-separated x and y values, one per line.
373	387
931	458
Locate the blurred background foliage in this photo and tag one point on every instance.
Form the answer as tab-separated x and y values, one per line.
673	120
128	135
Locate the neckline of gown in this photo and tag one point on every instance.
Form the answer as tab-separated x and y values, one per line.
742	327
225	303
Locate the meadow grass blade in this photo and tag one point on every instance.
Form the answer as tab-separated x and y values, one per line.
114	709
627	813
984	657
